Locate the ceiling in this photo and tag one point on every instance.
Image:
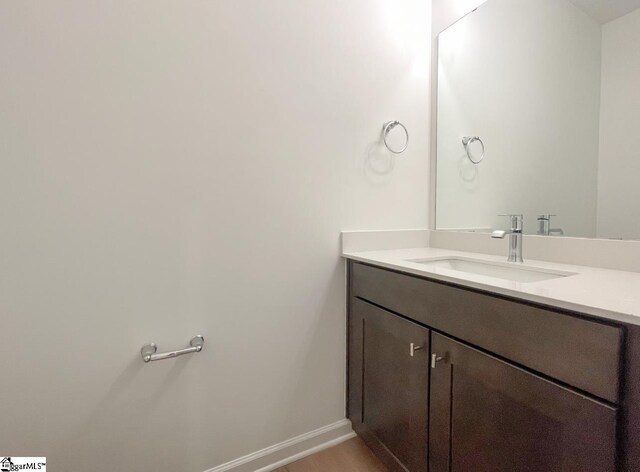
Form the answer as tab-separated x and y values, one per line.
604	11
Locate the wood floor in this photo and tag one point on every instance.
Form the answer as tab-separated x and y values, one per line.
349	456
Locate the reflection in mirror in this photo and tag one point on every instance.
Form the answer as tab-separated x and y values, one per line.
552	88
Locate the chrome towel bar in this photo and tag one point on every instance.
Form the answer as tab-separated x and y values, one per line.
148	351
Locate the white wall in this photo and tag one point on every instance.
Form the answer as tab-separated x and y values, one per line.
447	12
619	164
524	76
173	168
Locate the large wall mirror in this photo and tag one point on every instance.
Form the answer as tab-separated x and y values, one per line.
551	90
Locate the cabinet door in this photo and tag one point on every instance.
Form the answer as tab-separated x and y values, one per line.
394	383
490	416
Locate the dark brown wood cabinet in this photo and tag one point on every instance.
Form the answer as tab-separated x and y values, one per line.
389	375
580	352
488	415
517	387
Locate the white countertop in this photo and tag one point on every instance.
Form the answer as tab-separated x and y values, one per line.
607	294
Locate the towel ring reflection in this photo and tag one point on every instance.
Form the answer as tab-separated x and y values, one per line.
466	142
387	127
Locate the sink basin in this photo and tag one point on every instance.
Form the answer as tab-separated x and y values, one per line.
505	271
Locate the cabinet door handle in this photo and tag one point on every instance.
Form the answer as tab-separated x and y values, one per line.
413	348
435	359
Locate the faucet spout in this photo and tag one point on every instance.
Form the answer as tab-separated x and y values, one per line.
499	234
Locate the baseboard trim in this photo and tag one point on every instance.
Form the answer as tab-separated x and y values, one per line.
291	450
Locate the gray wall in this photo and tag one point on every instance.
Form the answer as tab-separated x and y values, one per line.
173	168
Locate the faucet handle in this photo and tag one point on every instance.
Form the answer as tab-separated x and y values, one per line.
516	220
545	216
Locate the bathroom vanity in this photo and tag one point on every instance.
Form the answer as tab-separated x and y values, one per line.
449	374
463	362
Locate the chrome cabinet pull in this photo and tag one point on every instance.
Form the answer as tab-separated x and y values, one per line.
435	359
148	351
413	348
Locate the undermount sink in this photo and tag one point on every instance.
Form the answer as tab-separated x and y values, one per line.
505	271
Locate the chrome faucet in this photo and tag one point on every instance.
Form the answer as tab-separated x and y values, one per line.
544	226
515	237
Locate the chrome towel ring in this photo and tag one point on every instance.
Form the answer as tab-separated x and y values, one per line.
466	142
387	127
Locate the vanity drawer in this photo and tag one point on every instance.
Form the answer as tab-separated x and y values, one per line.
582	353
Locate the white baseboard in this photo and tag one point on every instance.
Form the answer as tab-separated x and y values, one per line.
291	450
